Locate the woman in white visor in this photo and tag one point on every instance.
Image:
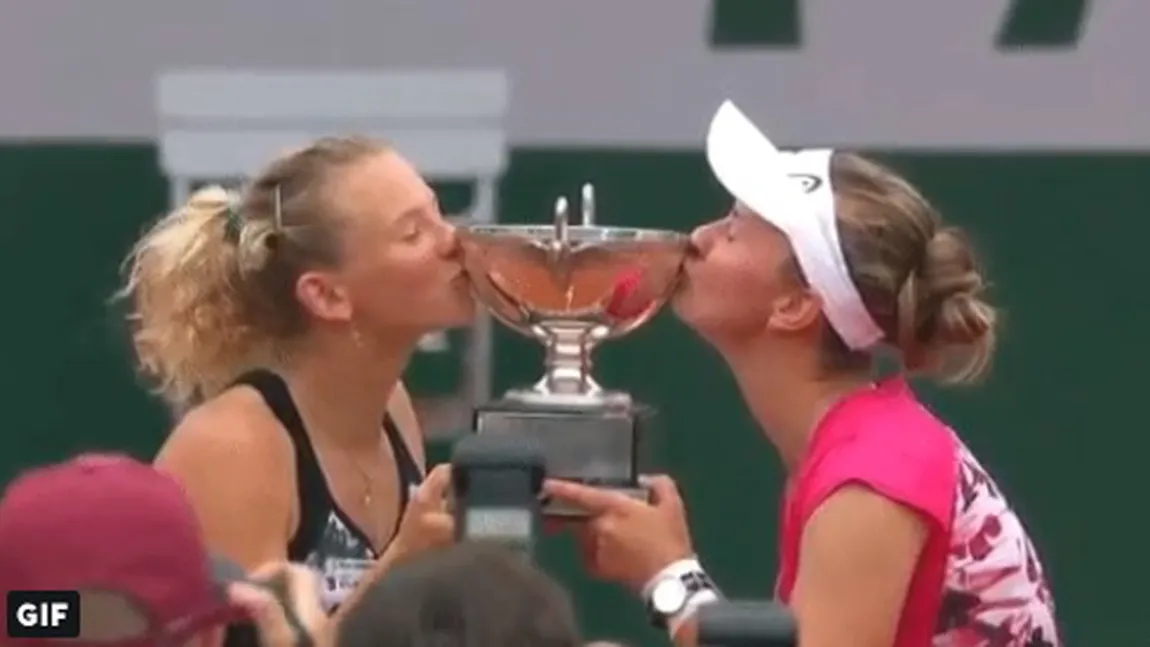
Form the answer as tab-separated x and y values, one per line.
891	532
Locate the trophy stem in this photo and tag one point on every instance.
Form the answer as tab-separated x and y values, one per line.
567	362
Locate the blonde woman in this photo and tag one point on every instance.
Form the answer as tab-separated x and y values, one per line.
286	316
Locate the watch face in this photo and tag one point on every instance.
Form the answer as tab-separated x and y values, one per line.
669	596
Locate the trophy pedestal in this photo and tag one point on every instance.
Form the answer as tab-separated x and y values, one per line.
598	442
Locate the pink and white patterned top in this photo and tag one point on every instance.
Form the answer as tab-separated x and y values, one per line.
979	582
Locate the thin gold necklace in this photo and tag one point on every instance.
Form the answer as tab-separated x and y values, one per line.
373	529
368	483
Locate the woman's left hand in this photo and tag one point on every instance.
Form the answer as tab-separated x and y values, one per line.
626	540
427	523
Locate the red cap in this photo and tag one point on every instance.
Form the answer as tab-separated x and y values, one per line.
113	525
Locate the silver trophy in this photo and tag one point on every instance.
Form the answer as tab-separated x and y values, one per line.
572	287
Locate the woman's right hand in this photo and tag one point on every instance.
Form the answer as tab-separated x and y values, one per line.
626	540
427	524
289	614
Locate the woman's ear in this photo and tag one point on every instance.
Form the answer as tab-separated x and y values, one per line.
794	311
323	296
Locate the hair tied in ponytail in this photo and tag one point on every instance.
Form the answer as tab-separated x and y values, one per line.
233	219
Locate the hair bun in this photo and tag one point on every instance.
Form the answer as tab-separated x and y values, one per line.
958	335
963	319
952	284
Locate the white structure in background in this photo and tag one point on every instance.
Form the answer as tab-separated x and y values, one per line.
222	124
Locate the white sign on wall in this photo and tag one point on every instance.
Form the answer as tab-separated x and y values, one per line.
916	74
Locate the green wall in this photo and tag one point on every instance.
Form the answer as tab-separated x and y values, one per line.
1064	235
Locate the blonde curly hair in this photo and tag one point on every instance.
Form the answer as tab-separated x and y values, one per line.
212	284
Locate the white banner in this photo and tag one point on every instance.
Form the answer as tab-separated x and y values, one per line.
911	74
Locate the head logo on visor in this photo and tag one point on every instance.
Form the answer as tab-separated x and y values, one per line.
809	183
792	191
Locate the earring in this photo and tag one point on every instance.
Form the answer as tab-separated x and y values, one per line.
357	338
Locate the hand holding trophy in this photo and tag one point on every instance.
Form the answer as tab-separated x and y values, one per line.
572	287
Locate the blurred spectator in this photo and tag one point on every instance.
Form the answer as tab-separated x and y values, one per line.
471	595
125	537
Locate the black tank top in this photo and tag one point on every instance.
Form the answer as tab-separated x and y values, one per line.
327	539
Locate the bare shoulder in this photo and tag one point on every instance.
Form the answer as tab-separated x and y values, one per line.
236	464
402	411
232	446
235	428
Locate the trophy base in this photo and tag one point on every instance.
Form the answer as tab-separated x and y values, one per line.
594	399
595	442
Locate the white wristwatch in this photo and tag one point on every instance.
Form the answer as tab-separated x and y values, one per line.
676	592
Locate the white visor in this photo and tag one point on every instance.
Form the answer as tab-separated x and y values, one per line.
792	191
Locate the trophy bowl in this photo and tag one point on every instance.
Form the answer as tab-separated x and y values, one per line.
571	288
